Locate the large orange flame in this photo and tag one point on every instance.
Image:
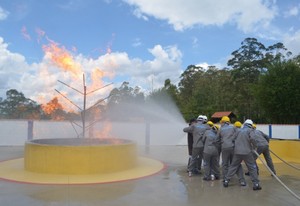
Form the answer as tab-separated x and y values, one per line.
63	59
52	106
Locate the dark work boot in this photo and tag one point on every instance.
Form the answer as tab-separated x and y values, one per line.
226	183
256	186
242	183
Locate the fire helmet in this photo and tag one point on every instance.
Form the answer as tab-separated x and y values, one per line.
225	119
248	123
216	127
202	118
210	123
238	124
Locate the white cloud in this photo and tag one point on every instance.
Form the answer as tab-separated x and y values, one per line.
137	42
3	14
293	11
183	14
38	81
292	42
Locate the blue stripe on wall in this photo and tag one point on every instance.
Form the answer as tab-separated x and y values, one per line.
270	131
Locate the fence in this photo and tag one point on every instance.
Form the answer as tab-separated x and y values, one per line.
16	132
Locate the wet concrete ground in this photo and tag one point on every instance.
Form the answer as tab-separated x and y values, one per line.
172	186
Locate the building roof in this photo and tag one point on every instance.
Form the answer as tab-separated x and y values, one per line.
221	114
217	116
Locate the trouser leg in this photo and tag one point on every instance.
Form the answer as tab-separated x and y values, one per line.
252	168
200	158
207	165
268	159
193	161
240	174
226	160
234	166
215	166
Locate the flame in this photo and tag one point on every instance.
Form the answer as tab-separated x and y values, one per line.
51	106
105	132
63	59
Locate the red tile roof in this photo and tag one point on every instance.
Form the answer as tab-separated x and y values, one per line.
221	114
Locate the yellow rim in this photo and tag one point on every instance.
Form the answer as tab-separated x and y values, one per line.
13	170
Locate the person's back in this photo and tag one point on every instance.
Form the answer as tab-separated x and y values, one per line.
262	141
260	138
244	141
211	142
227	133
198	134
198	129
244	144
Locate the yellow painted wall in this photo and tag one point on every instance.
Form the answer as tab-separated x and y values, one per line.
288	150
79	159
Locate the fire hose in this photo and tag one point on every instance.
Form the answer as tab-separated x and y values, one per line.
274	175
297	168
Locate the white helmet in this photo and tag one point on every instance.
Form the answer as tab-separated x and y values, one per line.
205	118
202	118
248	123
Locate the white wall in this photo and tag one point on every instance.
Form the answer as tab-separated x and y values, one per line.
15	132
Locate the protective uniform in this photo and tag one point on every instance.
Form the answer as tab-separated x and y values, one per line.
198	129
244	144
262	141
227	135
211	154
190	141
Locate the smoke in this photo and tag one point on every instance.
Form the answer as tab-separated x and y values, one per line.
147	123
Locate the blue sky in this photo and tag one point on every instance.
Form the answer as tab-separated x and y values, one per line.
140	41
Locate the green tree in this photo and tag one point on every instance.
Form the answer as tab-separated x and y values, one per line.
189	96
278	92
17	106
166	97
247	63
122	102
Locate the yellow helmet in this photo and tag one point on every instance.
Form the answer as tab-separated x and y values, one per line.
225	119
238	124
210	123
254	126
216	127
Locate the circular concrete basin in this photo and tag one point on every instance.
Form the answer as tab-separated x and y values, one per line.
79	155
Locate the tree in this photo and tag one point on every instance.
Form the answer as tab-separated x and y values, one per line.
166	97
123	100
188	87
17	106
278	92
248	63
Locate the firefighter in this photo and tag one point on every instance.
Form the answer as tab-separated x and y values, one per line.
227	134
238	124
190	140
212	143
262	141
244	145
198	129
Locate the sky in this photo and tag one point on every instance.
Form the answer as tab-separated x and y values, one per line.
61	45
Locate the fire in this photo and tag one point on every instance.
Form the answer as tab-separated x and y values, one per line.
52	106
105	132
63	59
60	57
